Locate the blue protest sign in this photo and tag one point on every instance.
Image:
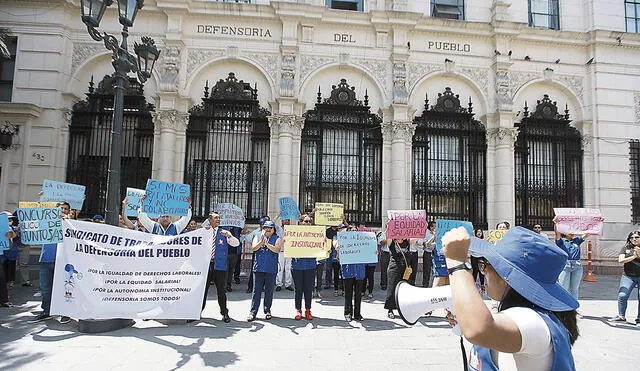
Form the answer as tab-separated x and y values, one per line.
443	226
230	215
288	208
60	191
166	198
357	247
40	226
4	228
133	202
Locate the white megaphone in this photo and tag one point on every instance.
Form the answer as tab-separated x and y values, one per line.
413	302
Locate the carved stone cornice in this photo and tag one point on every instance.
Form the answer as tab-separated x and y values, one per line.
377	68
502	136
309	63
198	57
268	62
170	119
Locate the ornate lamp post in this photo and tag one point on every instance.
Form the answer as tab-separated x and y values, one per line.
123	62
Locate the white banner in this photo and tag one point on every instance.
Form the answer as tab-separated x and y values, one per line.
105	272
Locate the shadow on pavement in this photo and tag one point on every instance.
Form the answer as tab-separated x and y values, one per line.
619	325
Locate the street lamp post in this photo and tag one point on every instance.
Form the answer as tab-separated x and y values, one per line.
123	62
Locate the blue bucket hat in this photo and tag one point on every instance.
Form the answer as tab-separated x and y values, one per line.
530	264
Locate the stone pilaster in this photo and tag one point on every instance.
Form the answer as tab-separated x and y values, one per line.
286	128
501	143
399	134
169	144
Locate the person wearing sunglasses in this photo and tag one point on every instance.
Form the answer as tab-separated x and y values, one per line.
535	325
304	275
630	257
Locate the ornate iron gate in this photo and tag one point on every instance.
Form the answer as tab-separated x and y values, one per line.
89	142
227	156
548	161
341	159
449	168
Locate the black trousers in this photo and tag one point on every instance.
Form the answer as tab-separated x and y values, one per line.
236	271
352	296
427	262
412	258
232	259
367	284
395	272
385	257
4	293
250	284
219	278
303	281
319	272
337	274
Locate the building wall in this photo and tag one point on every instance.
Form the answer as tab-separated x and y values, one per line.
393	50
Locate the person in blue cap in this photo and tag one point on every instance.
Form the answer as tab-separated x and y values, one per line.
535	325
265	267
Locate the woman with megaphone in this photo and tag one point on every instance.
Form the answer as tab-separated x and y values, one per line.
535	325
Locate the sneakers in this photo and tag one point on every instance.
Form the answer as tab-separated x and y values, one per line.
618	318
358	318
27	284
290	288
347	317
278	288
65	319
298	316
226	318
335	293
6	305
251	318
268	316
370	296
391	315
307	315
41	317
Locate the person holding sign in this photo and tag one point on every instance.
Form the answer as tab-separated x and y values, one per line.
266	247
4	293
304	273
397	272
353	281
218	266
164	226
571	275
630	257
536	325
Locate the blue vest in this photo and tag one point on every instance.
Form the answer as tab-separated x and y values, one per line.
171	230
303	264
266	260
480	358
353	271
221	255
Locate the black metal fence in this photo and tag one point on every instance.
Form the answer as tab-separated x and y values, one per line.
341	156
89	142
634	155
548	165
449	162
227	154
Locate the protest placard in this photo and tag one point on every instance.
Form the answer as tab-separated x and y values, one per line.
166	198
230	215
288	208
406	223
365	229
40	226
4	228
103	271
134	196
36	204
579	221
357	247
304	241
496	235
329	214
443	226
60	191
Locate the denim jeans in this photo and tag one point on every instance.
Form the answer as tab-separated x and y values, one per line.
570	277
627	284
262	282
46	285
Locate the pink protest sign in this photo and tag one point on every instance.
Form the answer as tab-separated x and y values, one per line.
579	221
406	223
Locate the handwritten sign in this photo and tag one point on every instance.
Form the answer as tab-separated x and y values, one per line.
329	214
4	228
230	215
40	226
27	204
304	241
288	208
357	247
134	196
406	223
166	198
496	235
365	229
443	226
60	191
579	221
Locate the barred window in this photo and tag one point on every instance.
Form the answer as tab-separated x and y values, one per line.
7	69
632	15
634	154
450	9
544	13
355	5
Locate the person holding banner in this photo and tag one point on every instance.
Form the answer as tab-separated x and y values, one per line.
630	279
536	324
571	275
164	226
304	274
219	264
266	248
397	272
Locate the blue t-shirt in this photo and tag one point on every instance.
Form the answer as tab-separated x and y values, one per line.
303	264
48	253
353	271
572	248
266	260
221	255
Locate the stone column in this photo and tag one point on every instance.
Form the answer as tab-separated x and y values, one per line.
285	128
502	141
168	125
402	133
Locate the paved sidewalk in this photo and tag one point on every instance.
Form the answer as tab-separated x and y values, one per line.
326	343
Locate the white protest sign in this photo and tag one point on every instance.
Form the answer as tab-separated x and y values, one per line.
105	272
579	221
